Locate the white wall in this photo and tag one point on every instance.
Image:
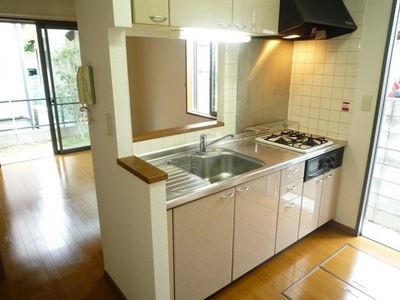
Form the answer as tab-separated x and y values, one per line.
376	26
132	216
61	10
326	73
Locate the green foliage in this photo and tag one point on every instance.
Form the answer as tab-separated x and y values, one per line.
65	65
29	47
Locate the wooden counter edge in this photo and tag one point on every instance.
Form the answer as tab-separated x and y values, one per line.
141	169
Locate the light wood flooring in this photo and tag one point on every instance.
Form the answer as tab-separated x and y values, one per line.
49	230
270	279
51	246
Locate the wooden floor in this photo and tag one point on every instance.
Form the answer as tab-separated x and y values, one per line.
49	230
270	279
51	246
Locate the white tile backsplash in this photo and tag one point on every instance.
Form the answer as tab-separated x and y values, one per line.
333	66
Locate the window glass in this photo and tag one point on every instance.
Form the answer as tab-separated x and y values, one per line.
202	70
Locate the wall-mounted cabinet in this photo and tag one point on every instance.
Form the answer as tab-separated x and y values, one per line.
153	12
253	16
207	14
256	16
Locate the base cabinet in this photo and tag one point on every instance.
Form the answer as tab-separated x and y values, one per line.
170	254
255	223
310	205
329	196
218	238
287	226
203	245
320	196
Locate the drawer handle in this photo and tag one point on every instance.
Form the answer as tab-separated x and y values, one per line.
224	25
351	292
290	205
240	26
329	176
356	282
158	18
291	188
230	195
318	181
293	169
243	189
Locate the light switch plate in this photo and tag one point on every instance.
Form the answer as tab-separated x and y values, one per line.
366	103
109	124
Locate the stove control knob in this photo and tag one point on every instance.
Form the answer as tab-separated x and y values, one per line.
329	162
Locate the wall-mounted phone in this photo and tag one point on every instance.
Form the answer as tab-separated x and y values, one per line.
84	78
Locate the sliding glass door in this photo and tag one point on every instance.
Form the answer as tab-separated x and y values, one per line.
380	216
62	58
39	107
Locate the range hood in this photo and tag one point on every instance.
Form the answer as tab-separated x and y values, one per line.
314	19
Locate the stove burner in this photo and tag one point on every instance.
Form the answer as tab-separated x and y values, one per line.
295	140
284	141
310	141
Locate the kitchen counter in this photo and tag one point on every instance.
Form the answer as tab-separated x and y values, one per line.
275	159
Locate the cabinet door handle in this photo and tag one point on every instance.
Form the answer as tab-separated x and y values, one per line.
230	195
291	188
240	26
318	181
329	176
290	205
351	292
224	25
243	189
293	169
356	282
158	18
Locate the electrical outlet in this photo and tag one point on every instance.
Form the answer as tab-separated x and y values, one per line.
366	103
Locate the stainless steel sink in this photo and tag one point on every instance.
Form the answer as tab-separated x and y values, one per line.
218	165
189	172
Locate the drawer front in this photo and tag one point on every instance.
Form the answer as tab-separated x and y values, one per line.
291	191
292	173
288	224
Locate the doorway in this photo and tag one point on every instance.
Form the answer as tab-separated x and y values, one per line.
380	218
39	108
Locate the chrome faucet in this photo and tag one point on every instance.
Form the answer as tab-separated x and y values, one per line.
204	145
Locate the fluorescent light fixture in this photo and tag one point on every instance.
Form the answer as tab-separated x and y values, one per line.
292	36
210	35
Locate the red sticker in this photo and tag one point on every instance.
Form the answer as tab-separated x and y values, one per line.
345	106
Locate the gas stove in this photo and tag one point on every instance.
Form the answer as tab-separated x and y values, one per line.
295	141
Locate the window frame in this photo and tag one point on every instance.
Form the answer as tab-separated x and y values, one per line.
193	81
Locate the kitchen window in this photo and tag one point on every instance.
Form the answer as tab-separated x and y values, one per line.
202	72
